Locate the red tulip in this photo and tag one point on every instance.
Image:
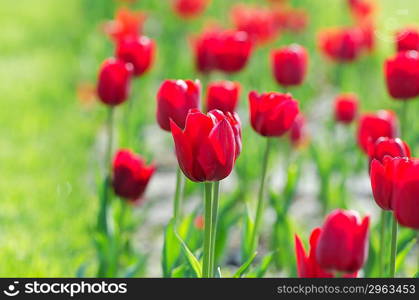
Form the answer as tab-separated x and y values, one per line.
127	24
290	19
138	51
232	51
297	131
341	44
257	22
206	148
272	114
174	100
406	192
130	175
289	65
346	108
372	126
114	81
402	75
188	9
362	9
343	242
385	146
382	181
235	123
307	265
368	37
407	39
204	50
223	95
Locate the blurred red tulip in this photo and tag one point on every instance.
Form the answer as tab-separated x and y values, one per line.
406	192
372	126
362	9
257	22
223	95
290	19
346	108
188	9
385	146
368	37
290	65
297	131
138	51
206	148
341	44
402	75
199	222
174	100
114	81
227	50
407	39
232	51
130	175
307	265
343	242
272	114
127	23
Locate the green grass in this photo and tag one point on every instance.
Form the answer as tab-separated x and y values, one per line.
47	162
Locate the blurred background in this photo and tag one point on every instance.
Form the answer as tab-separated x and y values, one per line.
51	126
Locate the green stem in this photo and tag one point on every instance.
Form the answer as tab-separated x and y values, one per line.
393	248
178	195
403	120
381	255
207	263
259	208
214	215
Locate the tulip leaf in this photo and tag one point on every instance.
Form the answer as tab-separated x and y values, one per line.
171	250
193	261
401	256
247	235
244	267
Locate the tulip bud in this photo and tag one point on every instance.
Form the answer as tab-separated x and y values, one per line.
385	146
372	126
272	114
343	242
382	175
407	39
402	75
138	51
114	81
130	175
346	108
405	192
174	100
188	9
289	65
341	44
223	95
206	148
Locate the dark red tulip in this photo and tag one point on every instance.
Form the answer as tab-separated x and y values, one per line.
203	46
223	95
114	81
385	146
206	148
343	242
289	65
346	108
257	22
307	265
341	44
174	100
232	50
272	114
406	192
127	24
372	126
382	181
138	51
402	75
297	131
407	39
188	9
130	175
